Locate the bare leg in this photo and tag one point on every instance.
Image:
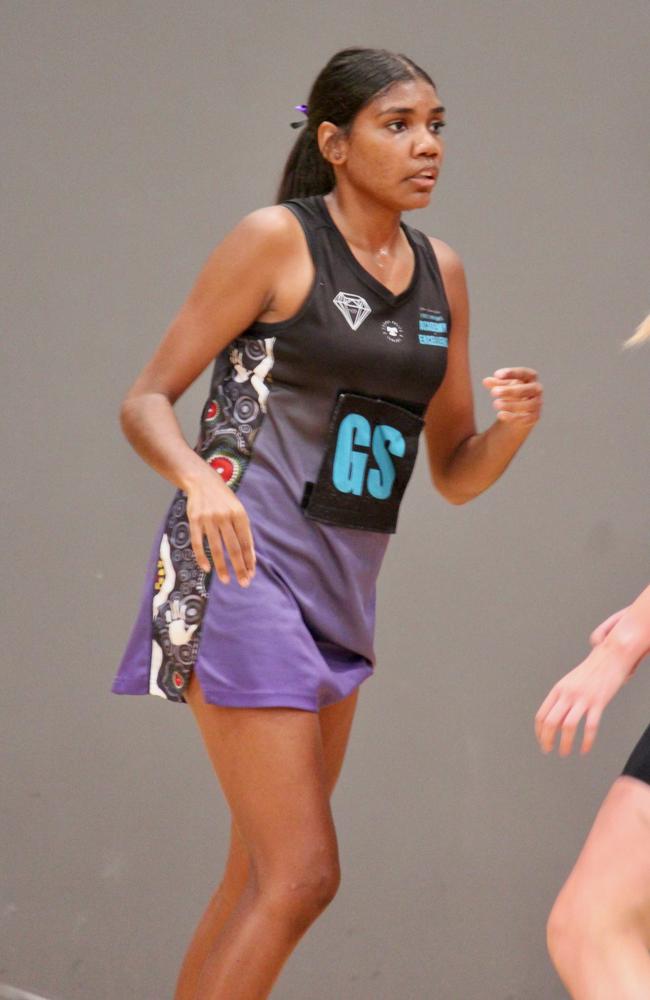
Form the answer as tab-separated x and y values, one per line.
599	928
221	905
335	724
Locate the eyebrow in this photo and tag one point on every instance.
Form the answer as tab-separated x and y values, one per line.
405	111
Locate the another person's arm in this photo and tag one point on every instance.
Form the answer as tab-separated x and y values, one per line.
464	463
620	643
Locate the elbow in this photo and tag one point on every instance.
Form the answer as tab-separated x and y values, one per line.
458	499
452	495
123	414
126	416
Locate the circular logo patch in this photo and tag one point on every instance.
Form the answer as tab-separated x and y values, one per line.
392	331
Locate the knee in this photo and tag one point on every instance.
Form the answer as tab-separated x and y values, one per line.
300	896
576	924
560	932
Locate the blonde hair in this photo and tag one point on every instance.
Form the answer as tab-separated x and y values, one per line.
642	333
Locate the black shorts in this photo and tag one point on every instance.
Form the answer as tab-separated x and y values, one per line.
638	765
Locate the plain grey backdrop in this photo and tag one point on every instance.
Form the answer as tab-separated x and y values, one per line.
135	134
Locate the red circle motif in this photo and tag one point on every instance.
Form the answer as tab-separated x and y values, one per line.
223	466
177	678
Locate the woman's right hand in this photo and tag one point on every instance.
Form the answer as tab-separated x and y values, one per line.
215	513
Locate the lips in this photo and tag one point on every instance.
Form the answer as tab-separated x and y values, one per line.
428	173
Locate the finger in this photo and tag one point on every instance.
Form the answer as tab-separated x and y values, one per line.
233	548
516	405
521	374
592	723
543	710
523	419
245	535
517	390
569	727
216	548
492	382
552	723
196	538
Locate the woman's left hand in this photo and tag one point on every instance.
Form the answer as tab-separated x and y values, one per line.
516	395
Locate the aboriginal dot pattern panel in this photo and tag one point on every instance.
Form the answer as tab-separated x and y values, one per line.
231	419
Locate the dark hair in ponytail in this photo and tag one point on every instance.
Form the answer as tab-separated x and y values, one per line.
349	81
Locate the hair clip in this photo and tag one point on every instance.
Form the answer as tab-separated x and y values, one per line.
305	111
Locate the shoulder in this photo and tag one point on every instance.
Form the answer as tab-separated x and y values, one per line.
274	226
449	261
453	278
452	271
262	241
258	243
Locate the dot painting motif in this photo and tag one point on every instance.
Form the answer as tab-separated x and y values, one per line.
230	421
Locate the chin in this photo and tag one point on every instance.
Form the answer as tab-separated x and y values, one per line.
420	199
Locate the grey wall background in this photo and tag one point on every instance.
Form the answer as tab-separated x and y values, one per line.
136	134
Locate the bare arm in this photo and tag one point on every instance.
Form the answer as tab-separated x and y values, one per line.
463	462
233	289
588	688
631	632
237	285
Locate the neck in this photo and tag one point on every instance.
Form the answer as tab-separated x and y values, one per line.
363	222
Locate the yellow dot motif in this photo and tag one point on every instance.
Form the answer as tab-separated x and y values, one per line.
160	575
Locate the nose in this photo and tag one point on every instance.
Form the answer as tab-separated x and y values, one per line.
427	143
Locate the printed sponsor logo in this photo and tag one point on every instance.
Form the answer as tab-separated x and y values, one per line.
392	331
431	341
353	307
433	328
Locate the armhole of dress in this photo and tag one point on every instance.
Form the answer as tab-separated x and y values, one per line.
312	246
433	267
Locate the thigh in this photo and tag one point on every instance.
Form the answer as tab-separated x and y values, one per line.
335	726
271	766
612	874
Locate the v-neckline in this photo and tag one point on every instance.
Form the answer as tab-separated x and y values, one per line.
368	278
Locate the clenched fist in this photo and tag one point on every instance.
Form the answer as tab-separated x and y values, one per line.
516	395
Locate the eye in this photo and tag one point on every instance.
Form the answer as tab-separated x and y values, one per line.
438	127
397	126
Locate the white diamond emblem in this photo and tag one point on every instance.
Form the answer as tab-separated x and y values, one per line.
354	308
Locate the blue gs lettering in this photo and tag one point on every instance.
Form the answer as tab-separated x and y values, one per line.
386	441
349	466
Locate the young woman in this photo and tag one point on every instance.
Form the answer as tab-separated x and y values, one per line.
338	333
599	928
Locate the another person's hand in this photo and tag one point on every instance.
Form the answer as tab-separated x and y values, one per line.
215	513
584	691
516	395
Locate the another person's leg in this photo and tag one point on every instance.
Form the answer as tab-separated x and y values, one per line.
599	928
334	724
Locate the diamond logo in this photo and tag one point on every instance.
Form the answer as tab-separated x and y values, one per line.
354	308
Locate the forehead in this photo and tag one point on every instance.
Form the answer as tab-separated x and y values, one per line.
405	93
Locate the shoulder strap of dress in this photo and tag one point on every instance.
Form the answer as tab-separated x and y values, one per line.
424	242
310	217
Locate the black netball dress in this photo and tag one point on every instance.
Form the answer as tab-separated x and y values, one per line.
315	423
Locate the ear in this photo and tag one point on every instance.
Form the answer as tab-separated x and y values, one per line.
332	143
